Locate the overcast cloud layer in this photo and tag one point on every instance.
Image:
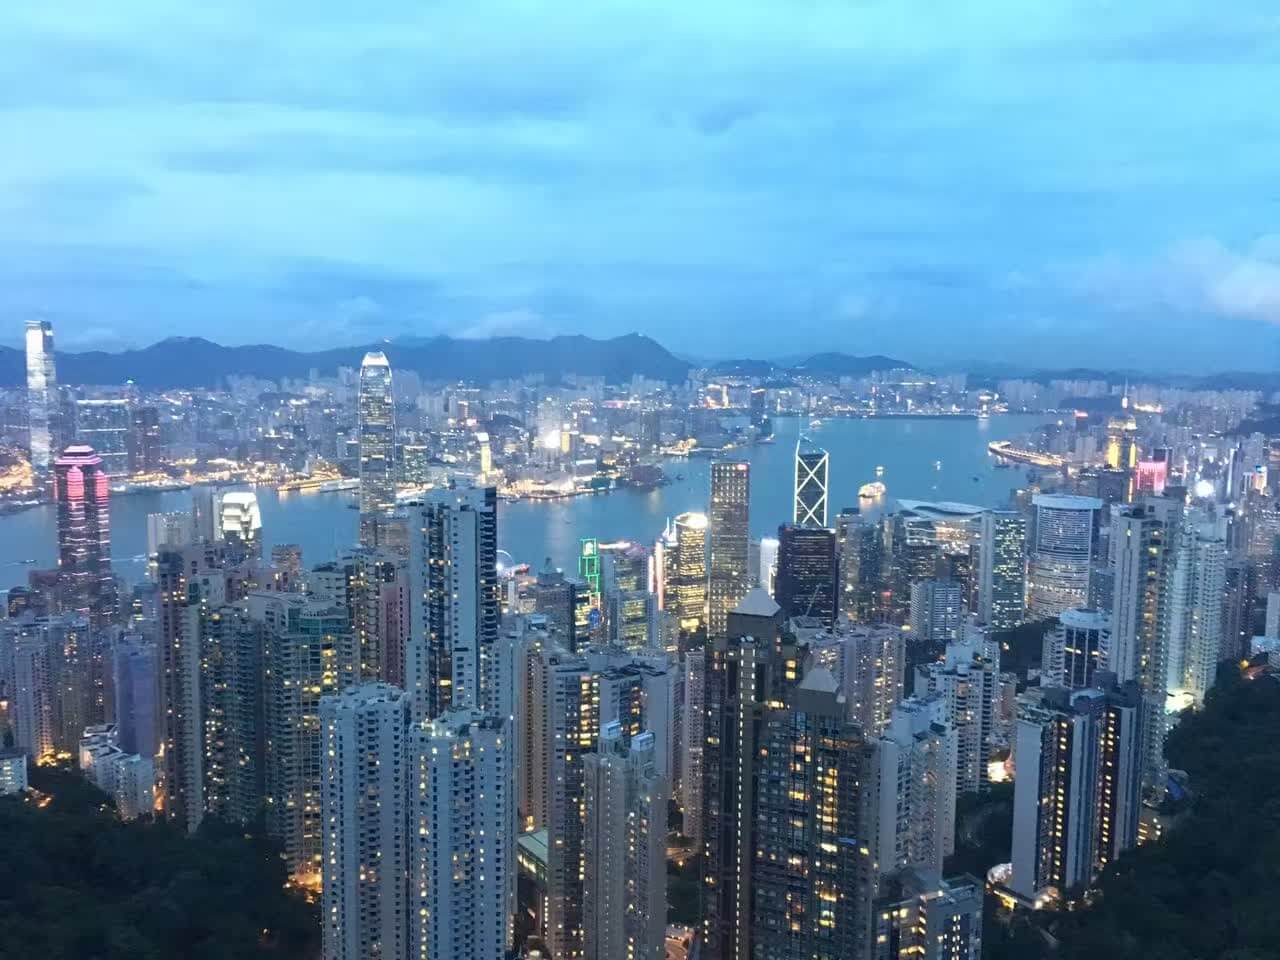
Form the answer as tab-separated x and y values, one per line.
1051	182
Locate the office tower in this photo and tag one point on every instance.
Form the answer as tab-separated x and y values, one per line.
364	795
233	708
83	498
856	541
806	582
624	901
1195	582
768	570
43	413
810	886
728	536
34	707
104	425
454	603
1076	796
693	735
136	682
687	584
146	450
377	436
1002	568
462	860
627	569
204	514
555	597
937	611
182	724
920	915
632	619
1076	648
1061	553
238	521
873	663
968	678
310	652
812	463
745	671
911	790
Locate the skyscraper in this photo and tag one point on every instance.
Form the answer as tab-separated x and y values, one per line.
462	858
625	883
806	581
377	437
365	790
1142	537
873	661
812	463
1076	649
1075	801
968	678
238	521
42	396
693	729
105	425
454	607
936	611
182	724
687	586
136	681
1194	582
912	788
810	886
728	534
1061	554
83	498
1002	568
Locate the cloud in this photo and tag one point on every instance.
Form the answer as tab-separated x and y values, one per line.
713	174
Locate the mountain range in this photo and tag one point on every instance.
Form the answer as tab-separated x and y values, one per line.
196	362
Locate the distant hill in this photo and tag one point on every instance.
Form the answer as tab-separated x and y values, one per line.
847	365
196	362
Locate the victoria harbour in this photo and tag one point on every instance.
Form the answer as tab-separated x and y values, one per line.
923	459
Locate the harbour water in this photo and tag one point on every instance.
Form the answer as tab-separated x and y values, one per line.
933	459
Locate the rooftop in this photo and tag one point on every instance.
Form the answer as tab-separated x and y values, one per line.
757	603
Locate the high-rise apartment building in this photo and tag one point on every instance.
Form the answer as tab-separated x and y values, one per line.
810	887
364	795
462	857
136	683
1076	796
921	916
693	735
968	679
1061	553
232	707
728	535
624	899
1002	568
454	604
812	465
873	664
807	570
911	789
1077	647
377	436
937	611
83	496
309	653
1195	579
43	410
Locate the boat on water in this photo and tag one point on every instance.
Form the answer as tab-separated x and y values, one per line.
815	422
879	472
871	491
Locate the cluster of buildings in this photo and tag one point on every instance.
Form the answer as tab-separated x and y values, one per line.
463	760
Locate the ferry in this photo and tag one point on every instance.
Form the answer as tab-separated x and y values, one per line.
871	491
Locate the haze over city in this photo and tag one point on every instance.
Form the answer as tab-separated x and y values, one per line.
960	183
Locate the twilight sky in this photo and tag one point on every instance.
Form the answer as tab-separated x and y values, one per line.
1052	182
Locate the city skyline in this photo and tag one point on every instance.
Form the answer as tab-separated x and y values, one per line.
832	168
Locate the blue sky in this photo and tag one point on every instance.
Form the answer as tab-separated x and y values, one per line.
1045	182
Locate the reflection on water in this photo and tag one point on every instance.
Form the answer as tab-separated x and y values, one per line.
909	450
